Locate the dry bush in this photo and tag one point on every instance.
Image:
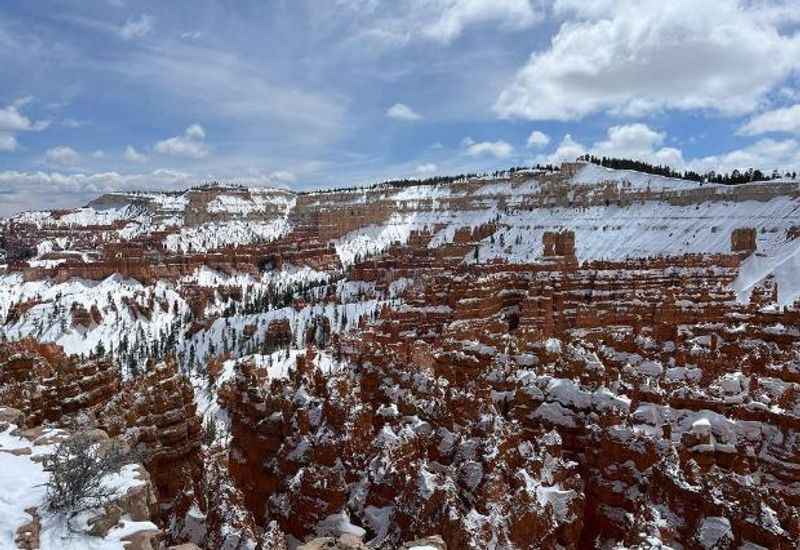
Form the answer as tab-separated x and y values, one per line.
77	469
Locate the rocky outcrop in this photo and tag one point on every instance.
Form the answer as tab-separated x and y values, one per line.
401	464
588	386
743	239
44	383
134	499
156	413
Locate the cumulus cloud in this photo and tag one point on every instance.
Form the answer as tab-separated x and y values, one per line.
427	168
13	121
639	141
498	149
779	120
567	151
400	111
538	139
190	144
63	155
132	155
636	141
765	154
635	58
137	28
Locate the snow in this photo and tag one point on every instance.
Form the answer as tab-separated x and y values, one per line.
679	217
80	217
339	524
781	261
556	414
379	520
714	532
21	487
107	295
553	345
210	236
22	480
257	200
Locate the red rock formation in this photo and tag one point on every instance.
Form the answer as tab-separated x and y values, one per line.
46	385
157	414
743	239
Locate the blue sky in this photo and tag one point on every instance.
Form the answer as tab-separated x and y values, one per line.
99	95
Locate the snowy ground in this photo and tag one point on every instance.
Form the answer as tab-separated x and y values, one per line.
22	479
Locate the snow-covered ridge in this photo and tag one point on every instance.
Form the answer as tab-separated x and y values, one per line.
614	214
210	236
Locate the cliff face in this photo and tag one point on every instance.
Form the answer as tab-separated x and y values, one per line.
574	359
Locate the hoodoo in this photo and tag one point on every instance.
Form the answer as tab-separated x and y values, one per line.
568	358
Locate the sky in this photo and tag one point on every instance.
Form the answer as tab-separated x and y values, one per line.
105	95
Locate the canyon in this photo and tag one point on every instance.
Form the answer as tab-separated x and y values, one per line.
569	358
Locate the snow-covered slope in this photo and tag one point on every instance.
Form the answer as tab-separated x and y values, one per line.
23	482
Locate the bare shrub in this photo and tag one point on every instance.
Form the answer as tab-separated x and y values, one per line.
77	470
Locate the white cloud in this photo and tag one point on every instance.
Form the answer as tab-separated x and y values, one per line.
634	141
427	168
137	28
628	141
27	190
455	15
63	155
132	155
398	23
193	35
195	131
400	111
99	154
498	149
13	121
765	154
640	142
190	144
538	139
7	142
779	120
568	150
634	58
281	176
